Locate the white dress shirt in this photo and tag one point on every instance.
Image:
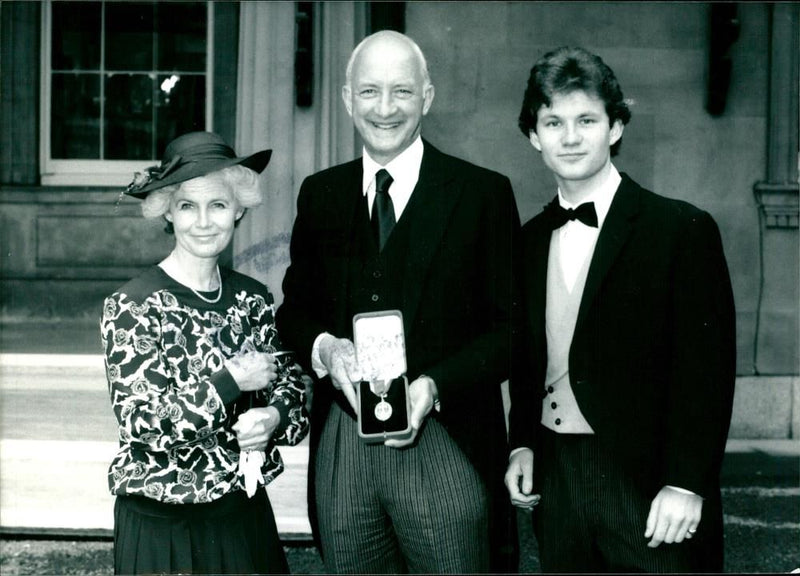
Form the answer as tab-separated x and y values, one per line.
404	170
578	239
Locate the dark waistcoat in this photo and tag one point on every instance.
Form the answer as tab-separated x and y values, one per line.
375	280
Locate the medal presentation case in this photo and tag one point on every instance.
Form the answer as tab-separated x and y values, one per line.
383	403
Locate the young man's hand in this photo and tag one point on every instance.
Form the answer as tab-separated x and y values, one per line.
519	479
674	515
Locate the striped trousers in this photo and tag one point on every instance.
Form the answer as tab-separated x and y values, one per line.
592	515
386	511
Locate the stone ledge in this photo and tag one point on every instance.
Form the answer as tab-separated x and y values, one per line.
779	202
796	408
764	407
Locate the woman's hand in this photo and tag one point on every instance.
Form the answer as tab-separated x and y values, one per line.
254	428
252	370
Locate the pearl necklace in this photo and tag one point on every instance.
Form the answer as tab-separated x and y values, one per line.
219	291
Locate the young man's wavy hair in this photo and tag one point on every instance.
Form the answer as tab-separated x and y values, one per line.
565	70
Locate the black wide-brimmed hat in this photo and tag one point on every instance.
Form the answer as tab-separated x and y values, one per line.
189	156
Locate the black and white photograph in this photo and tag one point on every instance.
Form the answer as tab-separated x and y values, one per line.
383	287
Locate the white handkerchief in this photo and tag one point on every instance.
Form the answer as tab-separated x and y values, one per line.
250	462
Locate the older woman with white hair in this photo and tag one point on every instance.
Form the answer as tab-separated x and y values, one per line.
199	382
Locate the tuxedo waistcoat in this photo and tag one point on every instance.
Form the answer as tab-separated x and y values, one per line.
560	410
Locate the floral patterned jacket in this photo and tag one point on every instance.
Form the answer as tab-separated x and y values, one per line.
173	397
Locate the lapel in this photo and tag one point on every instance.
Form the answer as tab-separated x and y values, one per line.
537	253
432	203
346	209
615	232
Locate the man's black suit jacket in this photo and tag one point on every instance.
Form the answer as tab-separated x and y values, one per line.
456	293
652	359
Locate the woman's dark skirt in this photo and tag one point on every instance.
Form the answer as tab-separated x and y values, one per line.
232	535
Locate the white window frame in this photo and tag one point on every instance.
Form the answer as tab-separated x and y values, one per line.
59	172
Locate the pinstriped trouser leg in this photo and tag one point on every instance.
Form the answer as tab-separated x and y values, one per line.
439	505
355	532
383	510
592	516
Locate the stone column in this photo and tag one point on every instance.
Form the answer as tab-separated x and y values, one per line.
777	197
267	118
20	23
342	25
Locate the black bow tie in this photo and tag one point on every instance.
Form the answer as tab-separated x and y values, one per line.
585	213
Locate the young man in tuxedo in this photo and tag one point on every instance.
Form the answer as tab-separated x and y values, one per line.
623	378
406	227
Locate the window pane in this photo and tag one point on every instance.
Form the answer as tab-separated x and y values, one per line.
129	117
181	106
129	36
76	36
126	77
181	36
75	107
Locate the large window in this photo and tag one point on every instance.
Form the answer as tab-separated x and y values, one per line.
120	80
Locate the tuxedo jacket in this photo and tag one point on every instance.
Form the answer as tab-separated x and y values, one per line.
652	358
456	293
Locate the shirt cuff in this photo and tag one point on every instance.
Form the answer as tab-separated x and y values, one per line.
520	449
682	490
316	362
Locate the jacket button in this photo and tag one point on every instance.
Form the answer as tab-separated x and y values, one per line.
558	421
550	389
375	297
553	405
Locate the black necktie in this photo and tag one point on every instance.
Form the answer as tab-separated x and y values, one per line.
382	208
584	213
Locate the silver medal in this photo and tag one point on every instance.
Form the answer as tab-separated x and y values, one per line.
383	411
